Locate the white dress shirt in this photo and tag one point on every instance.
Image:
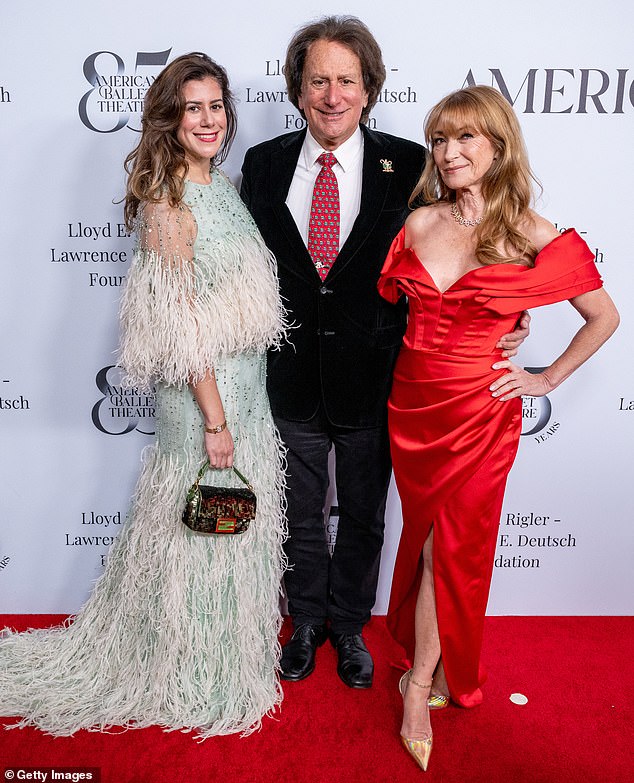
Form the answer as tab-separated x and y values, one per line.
348	170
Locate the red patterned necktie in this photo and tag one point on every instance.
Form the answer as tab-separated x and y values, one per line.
323	228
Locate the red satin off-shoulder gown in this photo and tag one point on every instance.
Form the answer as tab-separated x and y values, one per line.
452	443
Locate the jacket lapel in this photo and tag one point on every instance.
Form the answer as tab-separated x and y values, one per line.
374	189
283	164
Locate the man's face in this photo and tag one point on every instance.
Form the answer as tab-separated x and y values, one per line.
333	96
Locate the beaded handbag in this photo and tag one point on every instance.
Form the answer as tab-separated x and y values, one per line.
221	510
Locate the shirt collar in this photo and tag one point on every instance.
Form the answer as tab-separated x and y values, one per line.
346	154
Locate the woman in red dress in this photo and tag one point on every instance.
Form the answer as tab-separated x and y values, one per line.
468	264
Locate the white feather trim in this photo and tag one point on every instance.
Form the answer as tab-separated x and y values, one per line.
180	314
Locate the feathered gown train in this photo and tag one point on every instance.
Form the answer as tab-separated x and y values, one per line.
181	629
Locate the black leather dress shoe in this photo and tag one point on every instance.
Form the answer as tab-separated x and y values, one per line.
355	665
298	654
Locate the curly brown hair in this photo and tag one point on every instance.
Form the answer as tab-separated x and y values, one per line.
347	31
155	166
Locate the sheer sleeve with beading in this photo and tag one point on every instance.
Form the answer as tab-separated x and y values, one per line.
161	305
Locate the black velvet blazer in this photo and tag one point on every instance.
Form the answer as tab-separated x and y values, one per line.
346	337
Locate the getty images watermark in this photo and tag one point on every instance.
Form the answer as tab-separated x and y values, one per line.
47	774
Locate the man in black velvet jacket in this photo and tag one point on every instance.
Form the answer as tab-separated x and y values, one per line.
329	385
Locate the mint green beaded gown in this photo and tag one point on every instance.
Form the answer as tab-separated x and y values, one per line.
181	629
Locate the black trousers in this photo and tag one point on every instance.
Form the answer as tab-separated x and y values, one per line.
341	589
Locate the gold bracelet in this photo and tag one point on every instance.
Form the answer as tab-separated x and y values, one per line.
217	429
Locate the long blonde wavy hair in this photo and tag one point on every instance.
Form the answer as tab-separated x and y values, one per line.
507	185
156	165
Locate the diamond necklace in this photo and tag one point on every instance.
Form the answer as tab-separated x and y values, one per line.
460	218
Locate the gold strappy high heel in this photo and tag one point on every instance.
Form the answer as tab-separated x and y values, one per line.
418	749
436	701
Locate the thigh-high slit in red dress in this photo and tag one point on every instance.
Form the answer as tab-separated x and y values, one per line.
452	443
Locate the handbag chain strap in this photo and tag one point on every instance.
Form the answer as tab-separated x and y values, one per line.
206	466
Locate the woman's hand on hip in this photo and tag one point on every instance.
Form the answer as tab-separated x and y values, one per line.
518	383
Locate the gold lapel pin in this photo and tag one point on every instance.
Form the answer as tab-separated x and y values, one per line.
387	166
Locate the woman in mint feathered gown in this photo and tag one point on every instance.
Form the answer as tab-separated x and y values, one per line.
181	629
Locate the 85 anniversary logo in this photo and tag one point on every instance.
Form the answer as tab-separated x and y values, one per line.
117	92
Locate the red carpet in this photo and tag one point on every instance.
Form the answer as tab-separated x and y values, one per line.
576	727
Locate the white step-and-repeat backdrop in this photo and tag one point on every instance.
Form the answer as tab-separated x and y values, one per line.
72	80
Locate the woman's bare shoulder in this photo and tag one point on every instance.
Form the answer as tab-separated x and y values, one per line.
539	230
424	219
